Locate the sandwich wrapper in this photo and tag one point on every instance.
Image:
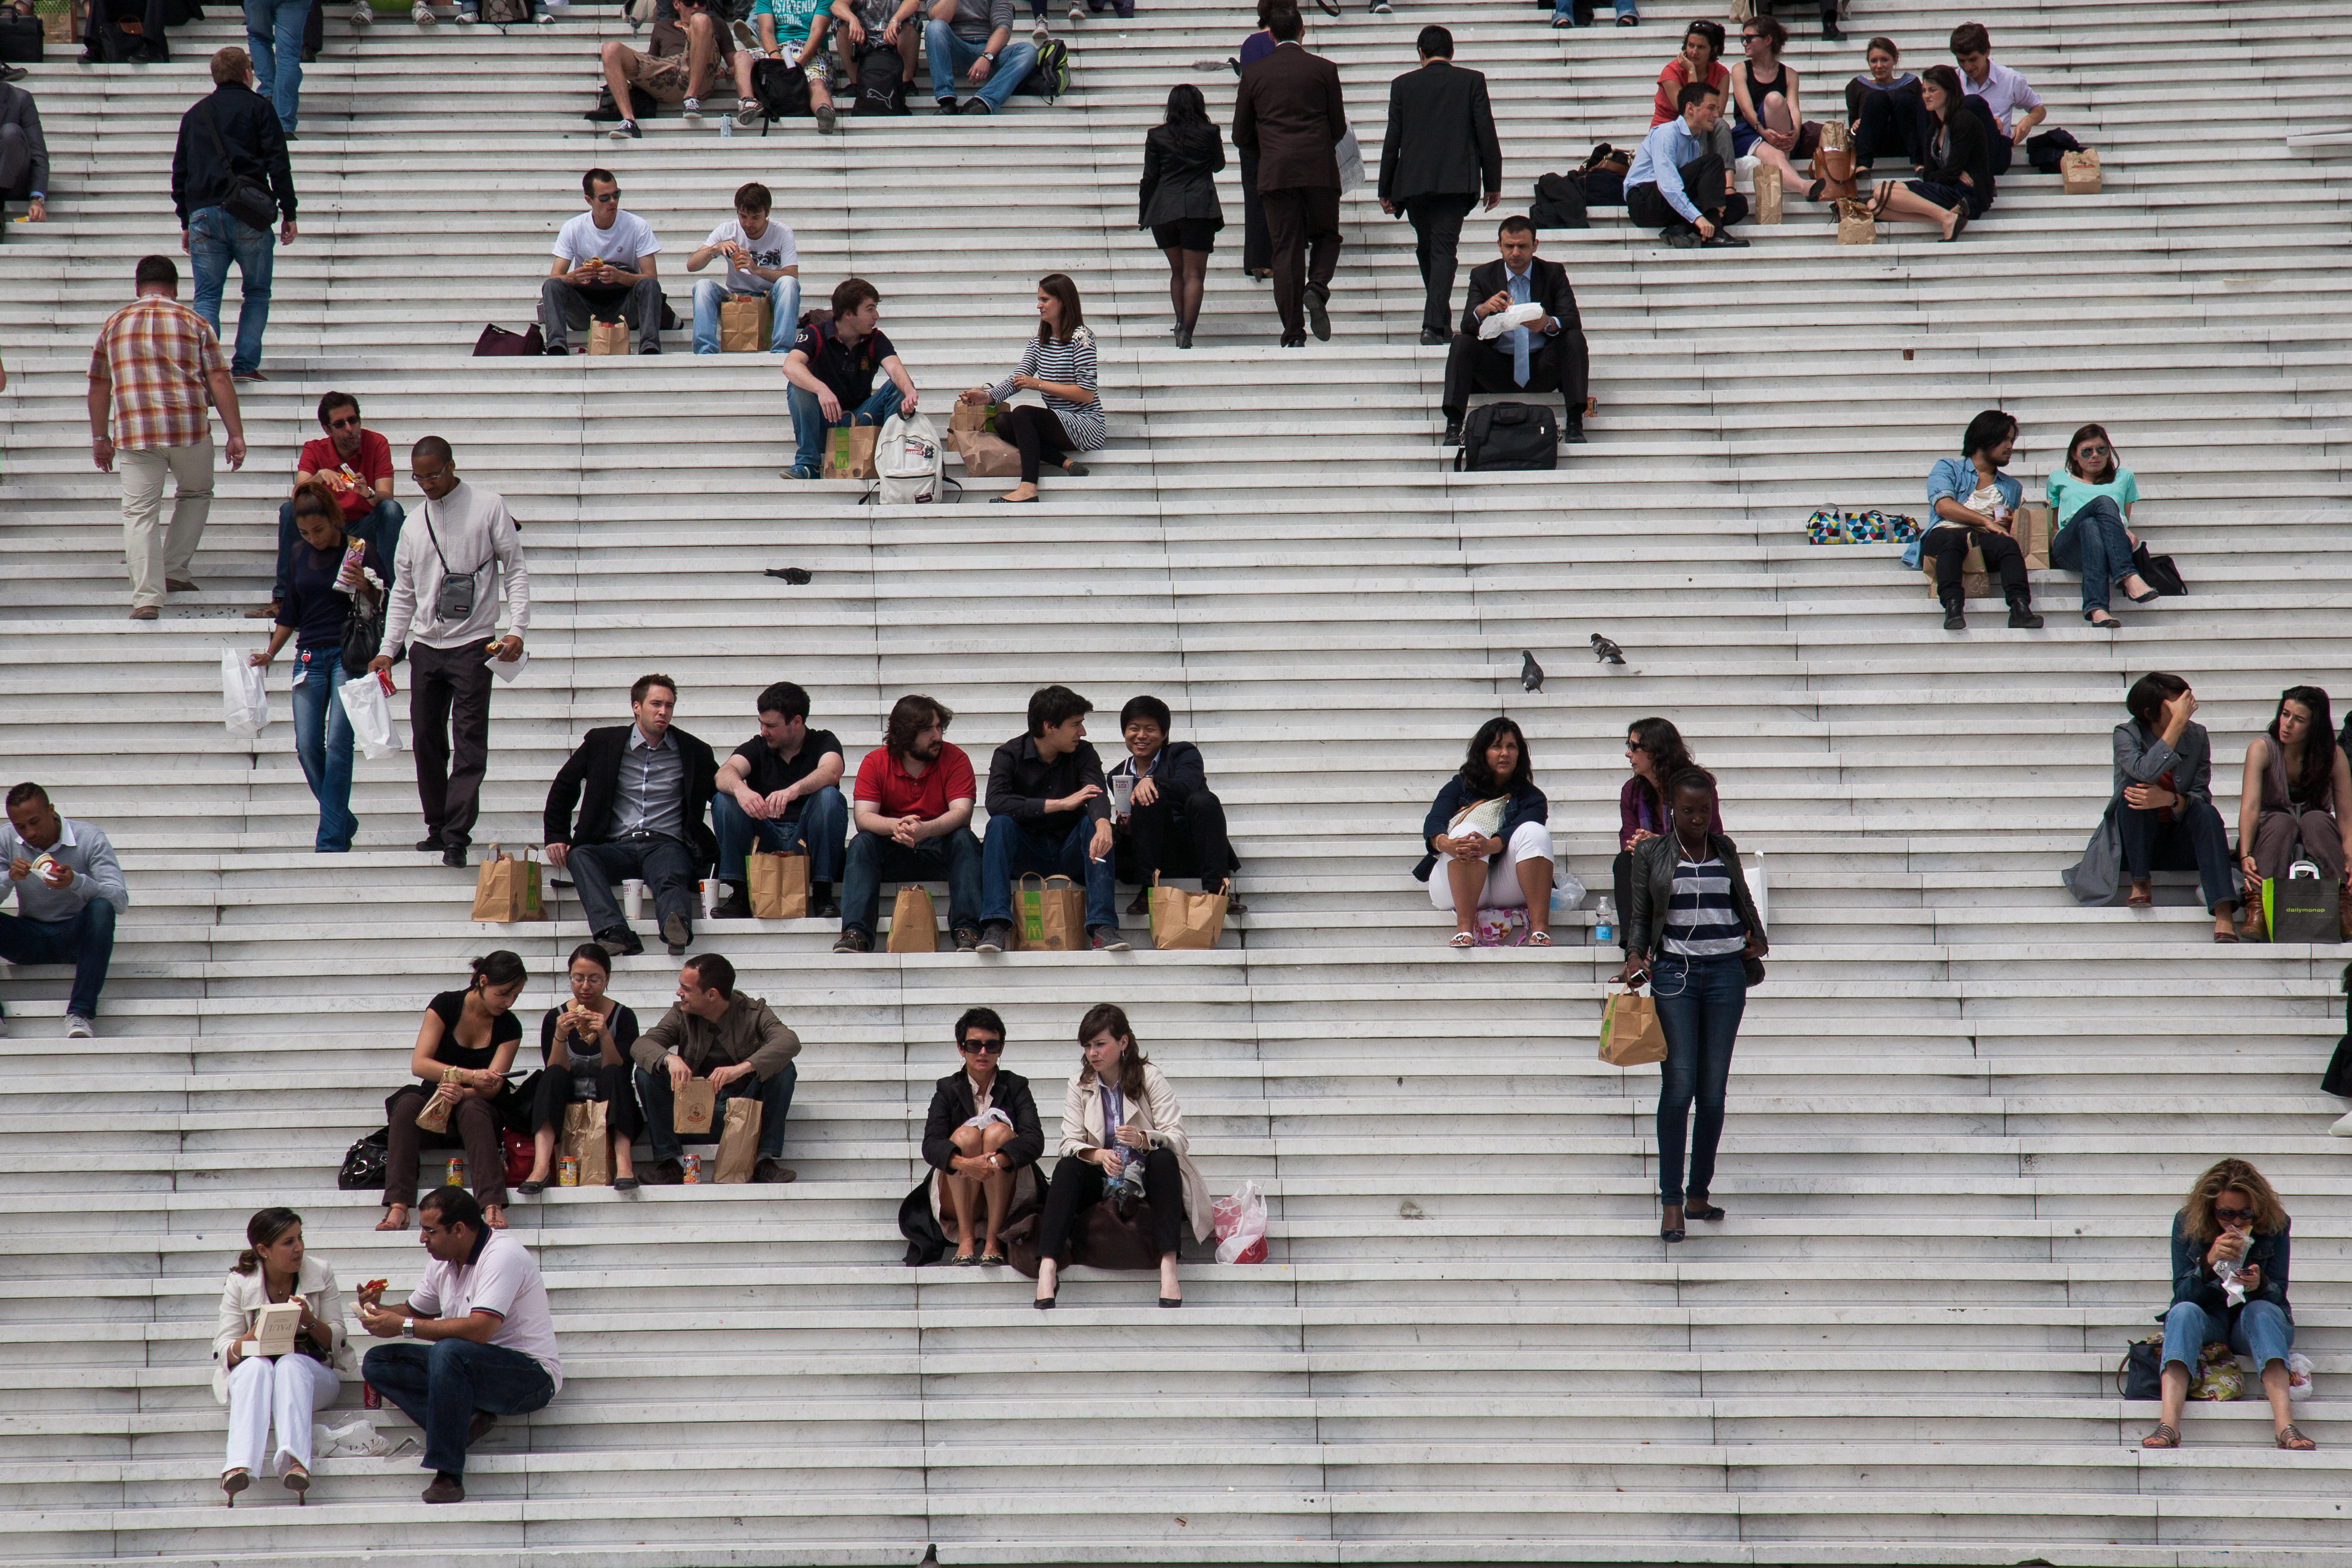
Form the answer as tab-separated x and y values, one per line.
1502	321
506	670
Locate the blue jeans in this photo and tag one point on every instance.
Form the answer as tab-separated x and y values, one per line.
2094	542
1011	850
1699	1003
440	1386
665	866
784	312
1567	8
2263	1332
873	860
322	740
950	57
821	825
273	37
86	941
809	426
380	527
774	1095
216	239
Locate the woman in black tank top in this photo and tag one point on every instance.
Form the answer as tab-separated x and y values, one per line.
1771	124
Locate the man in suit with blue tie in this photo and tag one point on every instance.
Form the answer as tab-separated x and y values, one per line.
1547	354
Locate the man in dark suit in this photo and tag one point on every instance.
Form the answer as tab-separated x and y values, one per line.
1287	115
1547	354
24	155
1439	155
646	791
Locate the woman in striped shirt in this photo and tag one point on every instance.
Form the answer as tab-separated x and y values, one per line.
1059	364
1694	924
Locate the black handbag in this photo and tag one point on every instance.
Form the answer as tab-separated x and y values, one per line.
20	39
363	1162
249	200
783	91
495	342
1508	435
2140	1374
1559	203
363	633
2158	573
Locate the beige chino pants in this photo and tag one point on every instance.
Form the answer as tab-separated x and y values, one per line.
156	554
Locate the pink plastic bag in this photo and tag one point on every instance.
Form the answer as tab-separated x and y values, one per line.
1241	1226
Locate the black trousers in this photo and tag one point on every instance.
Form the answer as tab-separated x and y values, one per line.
449	730
1561	364
2003	558
2197	842
1192	844
1621	881
1304	227
1437	239
1036	431
1703	176
2001	147
565	308
1077	1184
1257	244
616	1090
1893	121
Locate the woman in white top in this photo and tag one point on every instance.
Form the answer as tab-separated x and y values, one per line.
1059	365
1120	1111
292	1388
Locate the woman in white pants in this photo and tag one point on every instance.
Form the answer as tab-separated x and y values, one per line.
290	1389
1488	826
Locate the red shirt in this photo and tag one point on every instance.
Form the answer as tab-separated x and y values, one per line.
373	464
884	785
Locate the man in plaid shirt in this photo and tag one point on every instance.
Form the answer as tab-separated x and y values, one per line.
155	377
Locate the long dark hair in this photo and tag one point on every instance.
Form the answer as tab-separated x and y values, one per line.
2148	694
1662	744
1059	286
1947	82
2115	459
1187	109
1131	1060
2319	746
1991	427
263	1229
1480	777
497	967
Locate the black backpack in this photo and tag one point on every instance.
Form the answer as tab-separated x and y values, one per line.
1508	435
1559	203
1049	79
880	90
783	91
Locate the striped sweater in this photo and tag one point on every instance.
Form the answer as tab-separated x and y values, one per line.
1066	363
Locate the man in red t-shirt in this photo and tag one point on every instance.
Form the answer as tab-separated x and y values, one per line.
356	464
913	814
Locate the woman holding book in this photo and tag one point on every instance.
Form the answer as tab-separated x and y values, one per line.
260	1378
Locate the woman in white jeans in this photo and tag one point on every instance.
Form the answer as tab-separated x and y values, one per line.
289	1389
1488	826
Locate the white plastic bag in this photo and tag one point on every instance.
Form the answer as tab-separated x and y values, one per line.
1502	321
244	694
1760	890
1241	1226
1349	154
2298	1376
366	703
357	1439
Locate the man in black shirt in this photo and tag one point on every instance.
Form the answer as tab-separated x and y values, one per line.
781	790
1172	826
1047	813
831	372
230	139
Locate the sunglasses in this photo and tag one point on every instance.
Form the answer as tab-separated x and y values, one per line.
2093	451
607	196
351	423
2233	1216
981	1048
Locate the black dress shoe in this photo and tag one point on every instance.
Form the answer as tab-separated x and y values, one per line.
664	1174
677	933
733	906
1453	436
1954	619
454	859
624	943
429	847
1433	339
1142	905
445	1488
1293	339
1318	314
1573	435
824	909
772	1173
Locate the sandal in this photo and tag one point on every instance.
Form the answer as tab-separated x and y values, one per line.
234	1482
1538	939
2139	900
991	1260
297	1481
963	1260
1463	939
2288	1437
2165	1436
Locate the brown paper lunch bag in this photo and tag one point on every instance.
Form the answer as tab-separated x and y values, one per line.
779	885
739	1141
694	1108
743	324
914	923
608	337
584	1139
1182	920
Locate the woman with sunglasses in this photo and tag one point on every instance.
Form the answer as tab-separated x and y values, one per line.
1654	750
981	1134
1764	95
2090	500
2228	1284
2295	802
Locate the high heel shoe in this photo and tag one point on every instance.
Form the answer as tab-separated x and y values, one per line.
1670	1232
297	1481
1184	337
1044	1303
1172	1300
235	1482
1699	1209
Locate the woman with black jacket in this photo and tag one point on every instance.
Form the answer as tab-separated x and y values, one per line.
2230	1257
981	1133
1489	826
1178	201
1693	929
1957	185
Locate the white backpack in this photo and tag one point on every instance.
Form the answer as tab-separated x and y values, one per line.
907	466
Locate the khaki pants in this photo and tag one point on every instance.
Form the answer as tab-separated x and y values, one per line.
156	554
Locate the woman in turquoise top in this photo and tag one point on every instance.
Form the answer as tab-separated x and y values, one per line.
2089	501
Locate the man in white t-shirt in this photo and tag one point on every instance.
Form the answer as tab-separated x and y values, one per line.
475	1340
761	262
604	262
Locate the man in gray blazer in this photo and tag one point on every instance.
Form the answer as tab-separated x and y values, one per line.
1440	154
24	156
1287	115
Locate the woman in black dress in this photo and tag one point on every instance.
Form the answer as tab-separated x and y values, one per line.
585	1044
1955	186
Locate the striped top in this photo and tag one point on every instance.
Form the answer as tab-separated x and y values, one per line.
1069	363
1700	921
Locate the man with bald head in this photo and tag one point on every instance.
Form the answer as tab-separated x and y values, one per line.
445	609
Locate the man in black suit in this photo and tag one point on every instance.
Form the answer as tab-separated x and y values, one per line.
24	156
1287	115
647	790
1440	154
1547	354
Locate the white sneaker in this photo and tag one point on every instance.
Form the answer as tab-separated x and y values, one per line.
80	1028
2343	1128
363	16
467	18
422	14
692	108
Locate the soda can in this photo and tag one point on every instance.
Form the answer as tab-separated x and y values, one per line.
693	1163
456	1176
369	1397
567	1171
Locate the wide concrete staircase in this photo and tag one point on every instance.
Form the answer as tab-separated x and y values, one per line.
1964	1109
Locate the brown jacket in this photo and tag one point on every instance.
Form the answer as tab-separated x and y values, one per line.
749	1033
1287	115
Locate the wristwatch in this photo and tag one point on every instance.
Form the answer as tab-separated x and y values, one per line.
407	1328
991	60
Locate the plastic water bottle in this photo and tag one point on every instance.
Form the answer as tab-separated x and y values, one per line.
726	125
1605	919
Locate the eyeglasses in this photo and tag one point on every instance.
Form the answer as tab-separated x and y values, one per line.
606	196
981	1048
2233	1216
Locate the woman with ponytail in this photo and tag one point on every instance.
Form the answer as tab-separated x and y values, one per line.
289	1389
463	1050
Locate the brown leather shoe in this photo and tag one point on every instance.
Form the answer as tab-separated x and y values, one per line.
479	1427
772	1172
663	1173
445	1488
179	585
145	613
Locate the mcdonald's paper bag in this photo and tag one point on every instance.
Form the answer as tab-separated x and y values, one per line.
743	323
694	1108
1855	225
1629	1034
780	886
738	1143
914	924
1050	914
2080	171
585	1140
849	453
1182	919
506	889
608	337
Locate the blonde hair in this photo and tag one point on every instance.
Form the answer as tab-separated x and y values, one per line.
2232	1175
